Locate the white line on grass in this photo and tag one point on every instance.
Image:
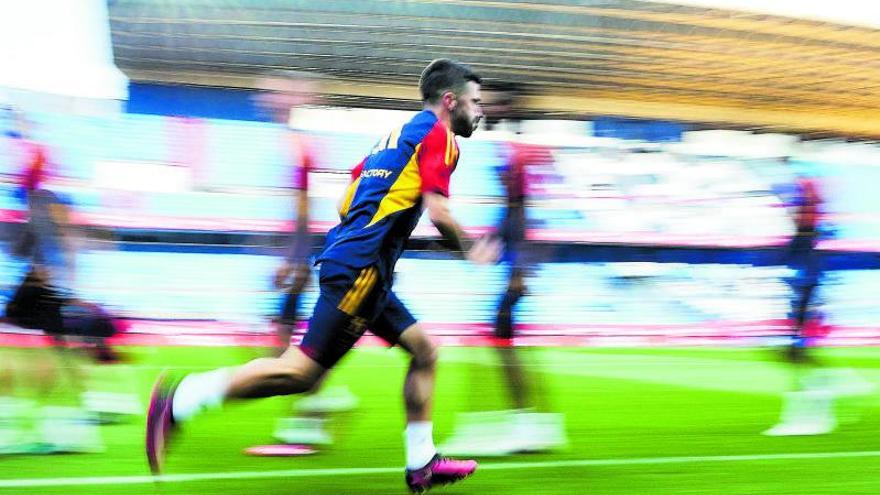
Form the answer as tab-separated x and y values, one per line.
307	473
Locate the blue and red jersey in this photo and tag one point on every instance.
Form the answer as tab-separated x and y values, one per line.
35	164
299	155
808	204
383	203
515	173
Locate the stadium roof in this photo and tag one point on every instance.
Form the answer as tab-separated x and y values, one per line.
620	57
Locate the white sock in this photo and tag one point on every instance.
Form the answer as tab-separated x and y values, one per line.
419	444
199	391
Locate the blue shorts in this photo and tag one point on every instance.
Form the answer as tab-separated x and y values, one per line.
351	302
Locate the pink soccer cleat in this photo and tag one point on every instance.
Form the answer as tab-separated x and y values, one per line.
440	471
160	421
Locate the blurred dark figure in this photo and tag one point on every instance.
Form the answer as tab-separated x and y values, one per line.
281	92
809	408
802	258
520	429
44	301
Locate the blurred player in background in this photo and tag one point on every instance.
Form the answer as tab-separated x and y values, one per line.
520	429
281	92
44	301
407	171
809	408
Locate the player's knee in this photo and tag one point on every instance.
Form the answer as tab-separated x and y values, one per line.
516	285
416	342
309	382
427	356
424	352
513	294
295	381
296	377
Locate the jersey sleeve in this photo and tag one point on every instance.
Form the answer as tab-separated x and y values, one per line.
302	159
348	197
34	165
437	157
356	171
301	174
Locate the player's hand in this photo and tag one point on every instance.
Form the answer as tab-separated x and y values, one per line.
282	274
485	251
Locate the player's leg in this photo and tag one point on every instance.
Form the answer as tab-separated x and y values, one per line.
172	402
15	411
333	330
296	370
291	373
511	365
304	423
504	313
61	426
516	254
305	426
290	307
491	433
424	467
418	389
290	428
808	408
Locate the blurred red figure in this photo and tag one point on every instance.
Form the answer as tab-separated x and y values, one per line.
809	408
522	428
44	300
47	241
280	93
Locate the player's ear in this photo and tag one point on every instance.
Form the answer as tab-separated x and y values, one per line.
450	101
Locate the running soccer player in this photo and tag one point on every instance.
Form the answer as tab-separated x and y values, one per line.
406	172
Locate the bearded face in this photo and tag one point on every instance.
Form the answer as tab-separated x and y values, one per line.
467	112
463	124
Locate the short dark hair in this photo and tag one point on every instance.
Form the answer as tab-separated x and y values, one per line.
444	75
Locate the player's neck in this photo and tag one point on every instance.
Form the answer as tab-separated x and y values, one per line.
442	114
